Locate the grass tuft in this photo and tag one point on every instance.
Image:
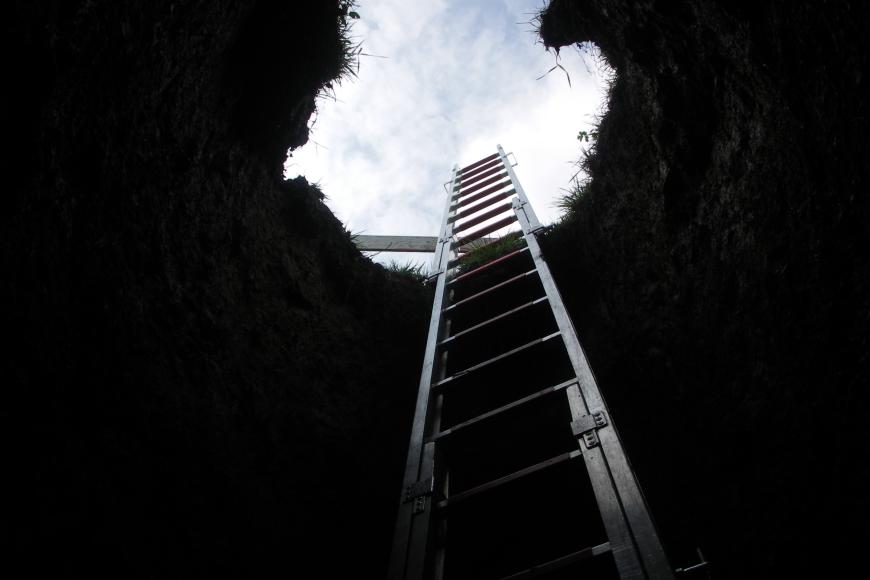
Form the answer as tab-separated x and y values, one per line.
570	202
416	272
491	251
350	49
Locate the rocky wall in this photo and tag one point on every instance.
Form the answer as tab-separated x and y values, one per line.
204	377
718	271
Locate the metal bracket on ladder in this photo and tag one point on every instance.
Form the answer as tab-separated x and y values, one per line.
702	565
519	203
417	492
586	425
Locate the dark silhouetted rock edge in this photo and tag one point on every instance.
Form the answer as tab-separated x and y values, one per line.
204	377
717	271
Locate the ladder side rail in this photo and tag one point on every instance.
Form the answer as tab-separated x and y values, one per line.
420	544
621	502
624	551
411	531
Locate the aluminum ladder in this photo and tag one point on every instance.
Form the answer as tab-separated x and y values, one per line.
515	469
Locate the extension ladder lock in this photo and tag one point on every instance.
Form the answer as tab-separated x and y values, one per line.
514	468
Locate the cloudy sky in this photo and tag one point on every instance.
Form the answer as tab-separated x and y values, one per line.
446	81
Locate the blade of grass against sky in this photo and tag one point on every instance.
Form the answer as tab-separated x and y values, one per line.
446	81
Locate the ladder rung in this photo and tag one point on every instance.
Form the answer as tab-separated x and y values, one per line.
479	195
478	170
508	478
469	181
482	232
479	163
481	185
489	264
502	409
483	217
495	359
476	208
553	565
493	319
485	203
490	289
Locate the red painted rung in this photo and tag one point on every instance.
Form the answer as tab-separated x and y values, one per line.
475	208
477	170
468	183
478	163
481	184
489	264
483	217
486	230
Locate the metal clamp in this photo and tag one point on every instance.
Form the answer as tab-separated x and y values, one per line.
417	492
586	426
515	163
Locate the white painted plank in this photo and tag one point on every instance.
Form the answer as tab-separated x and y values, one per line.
396	243
405	243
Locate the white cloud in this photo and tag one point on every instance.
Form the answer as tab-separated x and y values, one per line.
457	79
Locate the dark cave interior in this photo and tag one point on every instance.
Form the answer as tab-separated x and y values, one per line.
207	378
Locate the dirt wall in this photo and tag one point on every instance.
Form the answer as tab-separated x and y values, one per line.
203	375
718	271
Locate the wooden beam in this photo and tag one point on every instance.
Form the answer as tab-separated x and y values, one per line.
404	243
396	243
